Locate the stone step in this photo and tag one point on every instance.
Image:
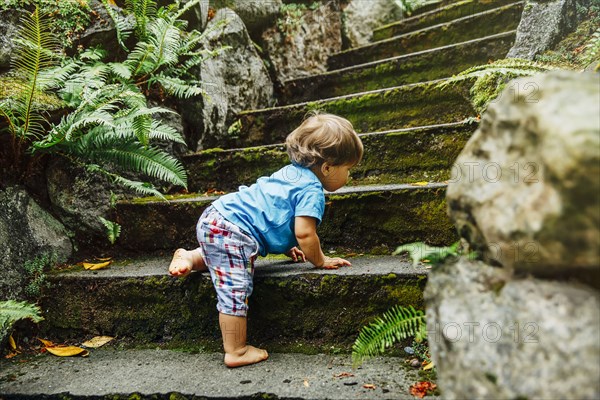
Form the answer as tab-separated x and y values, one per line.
399	107
294	307
436	16
357	219
109	373
490	22
403	155
421	66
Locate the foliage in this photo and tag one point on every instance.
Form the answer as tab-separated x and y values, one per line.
69	17
420	251
23	112
113	230
396	324
491	79
35	276
12	311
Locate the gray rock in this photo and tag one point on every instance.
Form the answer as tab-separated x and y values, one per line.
525	188
78	198
307	43
493	338
9	29
361	17
256	14
544	23
235	80
26	232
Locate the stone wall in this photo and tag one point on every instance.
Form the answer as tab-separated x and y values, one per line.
524	321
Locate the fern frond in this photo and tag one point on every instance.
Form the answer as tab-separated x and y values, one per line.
120	70
113	230
150	161
12	311
142	11
396	324
178	87
160	131
122	25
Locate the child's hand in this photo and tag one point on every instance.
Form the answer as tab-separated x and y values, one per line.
334	263
296	255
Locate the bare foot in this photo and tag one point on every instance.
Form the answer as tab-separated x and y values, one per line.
185	261
246	356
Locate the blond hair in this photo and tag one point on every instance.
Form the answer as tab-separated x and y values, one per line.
324	138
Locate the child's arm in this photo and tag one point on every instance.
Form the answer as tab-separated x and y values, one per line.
305	229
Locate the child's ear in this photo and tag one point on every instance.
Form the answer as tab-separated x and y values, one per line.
325	168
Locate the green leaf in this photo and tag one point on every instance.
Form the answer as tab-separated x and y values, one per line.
113	229
420	251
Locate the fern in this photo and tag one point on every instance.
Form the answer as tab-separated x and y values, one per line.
396	324
420	251
12	311
113	230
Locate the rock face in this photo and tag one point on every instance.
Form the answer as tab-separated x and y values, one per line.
525	195
9	29
26	232
256	14
235	80
305	43
361	17
525	188
528	338
544	23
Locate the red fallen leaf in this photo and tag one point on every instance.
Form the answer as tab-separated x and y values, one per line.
369	386
421	389
343	375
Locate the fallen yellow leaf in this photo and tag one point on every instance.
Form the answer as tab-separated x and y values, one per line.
420	183
429	366
104	258
93	267
47	343
306	384
11	343
97	341
68	351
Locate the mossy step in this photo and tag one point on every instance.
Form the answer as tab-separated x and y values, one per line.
421	66
399	107
294	307
359	219
497	20
436	16
112	374
404	155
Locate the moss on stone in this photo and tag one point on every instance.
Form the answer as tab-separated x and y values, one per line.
499	20
453	11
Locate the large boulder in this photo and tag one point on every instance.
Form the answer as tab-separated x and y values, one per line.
256	14
235	80
544	23
525	189
493	338
300	45
27	231
361	17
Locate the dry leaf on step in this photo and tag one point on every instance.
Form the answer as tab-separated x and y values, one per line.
11	343
97	341
428	366
343	374
369	386
306	384
93	267
420	184
47	343
67	351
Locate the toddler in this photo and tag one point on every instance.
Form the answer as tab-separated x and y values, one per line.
278	215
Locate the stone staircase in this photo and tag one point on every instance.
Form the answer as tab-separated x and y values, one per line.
412	131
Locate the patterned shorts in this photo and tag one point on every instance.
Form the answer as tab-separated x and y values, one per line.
229	253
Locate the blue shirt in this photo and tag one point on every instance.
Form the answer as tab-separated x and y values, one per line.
267	209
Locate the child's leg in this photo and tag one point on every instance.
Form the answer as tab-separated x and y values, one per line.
237	352
185	261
